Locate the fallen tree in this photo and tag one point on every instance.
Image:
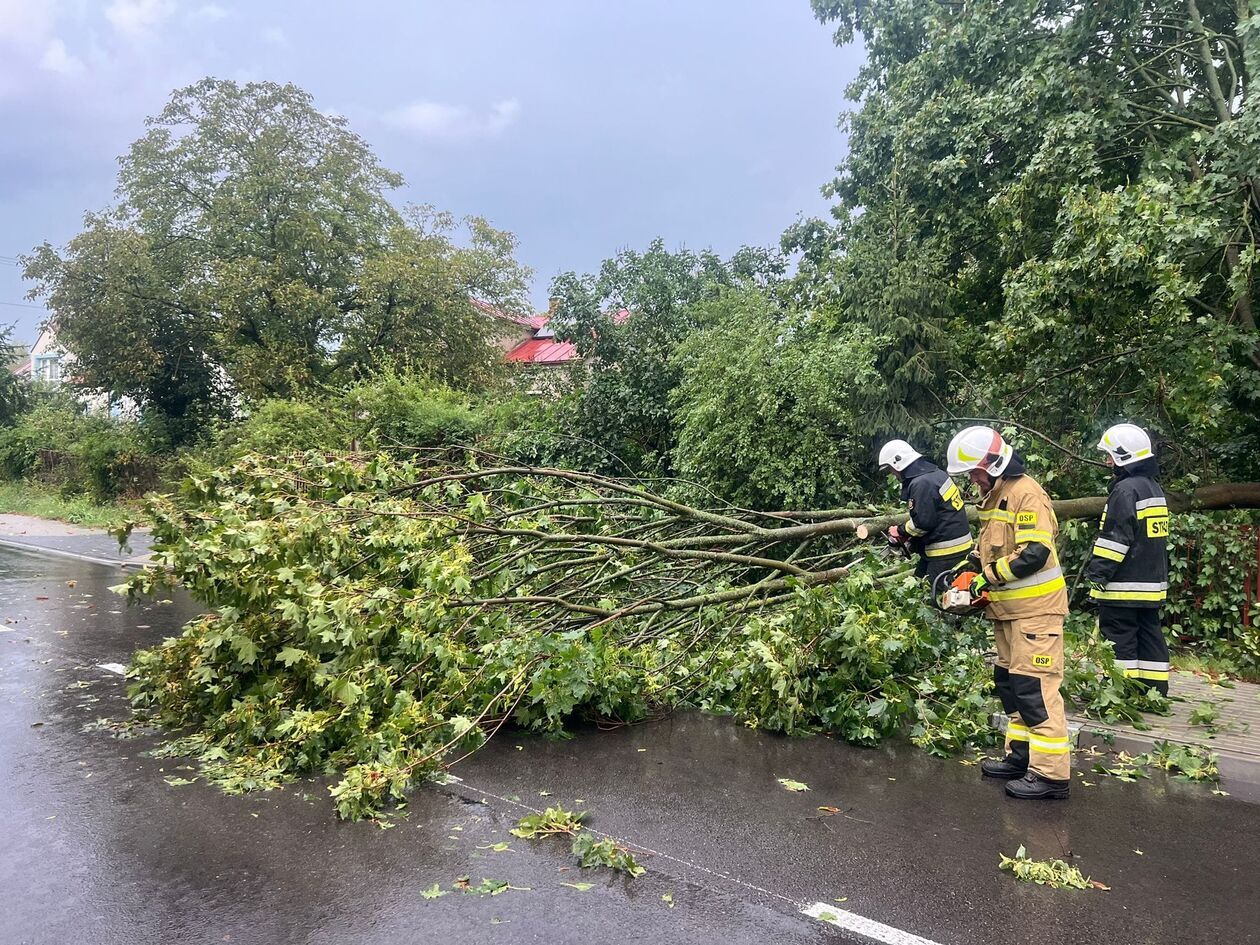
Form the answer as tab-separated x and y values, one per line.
379	617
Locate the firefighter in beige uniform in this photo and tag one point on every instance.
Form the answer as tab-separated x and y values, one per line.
1018	567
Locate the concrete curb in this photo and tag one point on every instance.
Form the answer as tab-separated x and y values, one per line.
1236	766
73	555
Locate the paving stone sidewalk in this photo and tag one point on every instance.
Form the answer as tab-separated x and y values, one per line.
1234	736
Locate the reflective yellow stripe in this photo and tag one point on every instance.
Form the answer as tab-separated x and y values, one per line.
999	515
1129	595
1029	536
943	550
1016	732
1033	534
1049	746
1052	741
1160	511
1150	673
1108	554
1037	590
1004	570
1130	673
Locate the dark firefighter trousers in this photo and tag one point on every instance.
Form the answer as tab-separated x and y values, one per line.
1138	639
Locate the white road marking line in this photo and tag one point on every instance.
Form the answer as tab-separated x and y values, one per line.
118	668
842	918
860	925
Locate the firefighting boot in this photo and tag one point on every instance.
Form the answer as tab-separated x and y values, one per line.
1012	766
1034	787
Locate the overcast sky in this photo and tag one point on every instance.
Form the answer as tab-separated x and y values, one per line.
583	126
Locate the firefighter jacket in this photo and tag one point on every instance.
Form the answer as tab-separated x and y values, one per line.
938	526
1017	549
1129	564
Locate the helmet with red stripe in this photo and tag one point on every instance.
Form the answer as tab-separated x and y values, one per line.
978	448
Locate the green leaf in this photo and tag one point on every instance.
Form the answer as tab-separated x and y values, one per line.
291	655
246	649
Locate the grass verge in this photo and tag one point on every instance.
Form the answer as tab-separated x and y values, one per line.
25	498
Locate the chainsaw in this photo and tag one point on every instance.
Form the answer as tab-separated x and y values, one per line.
951	592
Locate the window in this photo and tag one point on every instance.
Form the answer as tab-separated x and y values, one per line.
46	367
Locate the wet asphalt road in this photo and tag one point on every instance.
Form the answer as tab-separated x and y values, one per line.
98	848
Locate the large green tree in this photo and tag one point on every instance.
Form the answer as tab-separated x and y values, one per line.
769	409
627	322
1049	210
253	252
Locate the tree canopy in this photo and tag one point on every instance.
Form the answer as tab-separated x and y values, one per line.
1048	211
254	252
627	322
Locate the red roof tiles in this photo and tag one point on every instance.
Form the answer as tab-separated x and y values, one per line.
542	351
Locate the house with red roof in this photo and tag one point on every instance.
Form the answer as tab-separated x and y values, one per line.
528	339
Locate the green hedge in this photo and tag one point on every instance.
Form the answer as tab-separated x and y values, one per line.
1213	604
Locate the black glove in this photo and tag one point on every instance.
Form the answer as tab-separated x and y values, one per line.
1090	603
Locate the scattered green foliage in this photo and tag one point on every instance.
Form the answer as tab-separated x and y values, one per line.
1053	873
552	821
487	887
593	853
1205	714
791	785
1124	767
1186	762
1097	685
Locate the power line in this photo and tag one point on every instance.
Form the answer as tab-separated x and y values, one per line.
39	308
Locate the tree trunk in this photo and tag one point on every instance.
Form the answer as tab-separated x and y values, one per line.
1229	495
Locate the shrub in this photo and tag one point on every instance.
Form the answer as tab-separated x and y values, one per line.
57	442
1214	598
278	427
399	411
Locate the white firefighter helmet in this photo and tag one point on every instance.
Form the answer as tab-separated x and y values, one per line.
1125	444
978	448
897	454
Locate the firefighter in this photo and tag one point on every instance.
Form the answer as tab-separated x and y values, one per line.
937	529
1017	565
1128	570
